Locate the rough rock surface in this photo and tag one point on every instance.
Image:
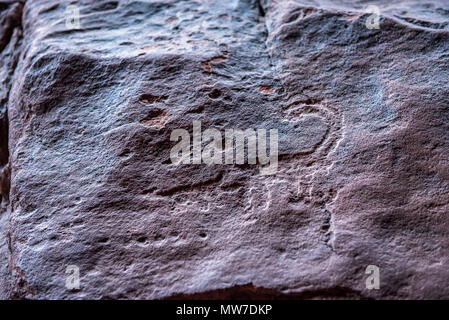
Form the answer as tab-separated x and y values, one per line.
363	177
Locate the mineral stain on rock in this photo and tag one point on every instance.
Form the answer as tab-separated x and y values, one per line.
148	99
156	118
363	175
207	65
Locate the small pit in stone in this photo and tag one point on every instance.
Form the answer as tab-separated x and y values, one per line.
158	237
215	94
103	240
142	239
148	99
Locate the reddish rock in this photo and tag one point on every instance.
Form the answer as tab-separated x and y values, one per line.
363	173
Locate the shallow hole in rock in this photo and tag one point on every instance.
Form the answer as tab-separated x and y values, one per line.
203	235
155	118
148	99
215	94
124	153
158	237
149	190
167	161
142	239
103	240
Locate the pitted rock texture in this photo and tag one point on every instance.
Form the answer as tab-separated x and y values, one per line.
87	113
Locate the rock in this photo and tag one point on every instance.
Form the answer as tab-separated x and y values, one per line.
10	43
363	173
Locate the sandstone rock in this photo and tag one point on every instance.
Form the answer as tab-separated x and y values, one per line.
363	172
